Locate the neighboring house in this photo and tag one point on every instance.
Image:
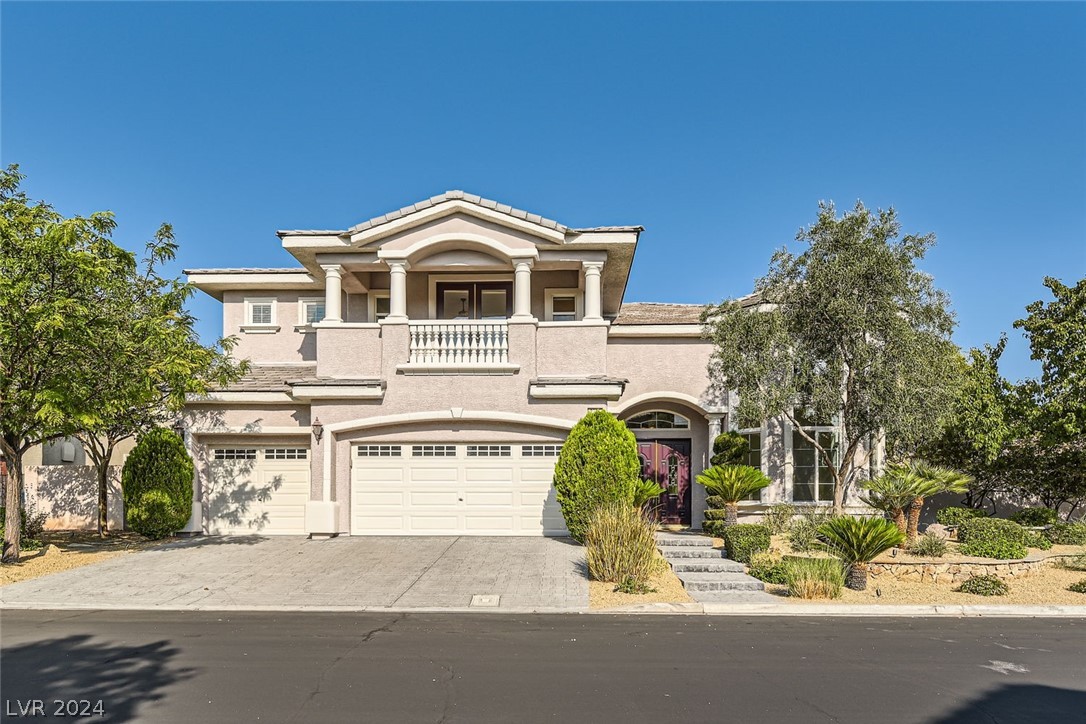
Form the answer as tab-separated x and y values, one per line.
418	373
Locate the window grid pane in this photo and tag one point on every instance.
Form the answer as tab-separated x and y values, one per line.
489	451
433	451
540	451
378	451
261	313
314	312
286	453
234	453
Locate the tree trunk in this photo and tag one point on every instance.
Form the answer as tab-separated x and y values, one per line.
899	520
838	496
103	498
13	504
857	577
914	519
731	514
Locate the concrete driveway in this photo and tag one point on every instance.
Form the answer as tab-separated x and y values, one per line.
287	572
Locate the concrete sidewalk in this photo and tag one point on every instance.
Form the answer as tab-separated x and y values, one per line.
293	573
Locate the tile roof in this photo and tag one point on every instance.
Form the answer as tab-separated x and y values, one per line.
586	380
248	270
659	313
271	378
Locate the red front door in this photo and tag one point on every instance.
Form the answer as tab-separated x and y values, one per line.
667	463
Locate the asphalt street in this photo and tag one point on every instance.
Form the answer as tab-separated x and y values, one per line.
318	667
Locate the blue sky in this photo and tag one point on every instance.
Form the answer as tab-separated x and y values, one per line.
718	127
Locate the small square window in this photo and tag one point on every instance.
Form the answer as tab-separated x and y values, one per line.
312	311
260	313
382	306
563	305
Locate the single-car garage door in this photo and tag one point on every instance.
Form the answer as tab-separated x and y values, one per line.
257	490
442	489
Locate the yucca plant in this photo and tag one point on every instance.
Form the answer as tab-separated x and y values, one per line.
930	480
732	483
893	492
856	541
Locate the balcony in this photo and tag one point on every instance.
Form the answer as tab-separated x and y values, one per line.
458	346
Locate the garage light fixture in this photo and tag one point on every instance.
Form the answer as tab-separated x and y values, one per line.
318	429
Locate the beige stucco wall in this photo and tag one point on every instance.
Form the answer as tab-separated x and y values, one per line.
68	496
285	345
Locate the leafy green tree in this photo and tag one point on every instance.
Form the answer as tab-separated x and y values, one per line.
147	364
598	464
849	330
52	271
893	492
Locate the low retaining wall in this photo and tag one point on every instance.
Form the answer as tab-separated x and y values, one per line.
936	572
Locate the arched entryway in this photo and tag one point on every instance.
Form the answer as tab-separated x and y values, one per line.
665	446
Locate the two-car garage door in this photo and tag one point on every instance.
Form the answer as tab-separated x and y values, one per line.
454	489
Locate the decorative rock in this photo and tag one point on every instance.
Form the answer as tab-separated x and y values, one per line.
938	529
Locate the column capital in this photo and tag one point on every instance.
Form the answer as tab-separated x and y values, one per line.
523	261
397	264
334	270
592	267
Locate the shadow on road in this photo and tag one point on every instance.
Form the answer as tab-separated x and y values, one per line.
1020	703
123	677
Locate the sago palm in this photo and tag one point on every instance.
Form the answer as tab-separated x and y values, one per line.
856	541
893	491
931	480
732	483
644	492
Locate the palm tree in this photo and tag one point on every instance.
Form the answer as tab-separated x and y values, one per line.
893	492
645	491
732	483
930	480
856	541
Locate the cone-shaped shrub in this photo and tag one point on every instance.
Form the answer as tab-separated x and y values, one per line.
856	541
598	464
157	484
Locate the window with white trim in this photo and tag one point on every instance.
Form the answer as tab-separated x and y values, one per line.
562	305
286	453
433	451
812	477
380	305
658	420
540	451
310	311
753	457
234	453
378	451
489	451
260	312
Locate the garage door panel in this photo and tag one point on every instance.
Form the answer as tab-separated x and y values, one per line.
445	523
481	497
444	474
495	523
259	493
381	523
496	474
434	498
540	474
380	474
376	498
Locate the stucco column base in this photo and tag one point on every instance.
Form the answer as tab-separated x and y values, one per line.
196	521
525	319
321	517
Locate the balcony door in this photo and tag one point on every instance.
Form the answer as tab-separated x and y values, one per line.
474	300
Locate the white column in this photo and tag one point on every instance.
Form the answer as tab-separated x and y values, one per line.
333	292
397	291
714	431
592	304
522	289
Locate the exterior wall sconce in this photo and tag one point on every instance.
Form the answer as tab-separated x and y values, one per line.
318	429
179	428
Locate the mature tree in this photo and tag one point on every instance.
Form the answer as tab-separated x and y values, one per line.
849	330
52	273
148	363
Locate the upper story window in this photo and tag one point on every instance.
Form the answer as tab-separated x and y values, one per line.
310	311
260	315
563	305
380	305
658	420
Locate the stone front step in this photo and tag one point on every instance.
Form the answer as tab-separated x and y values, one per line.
706	565
671	552
683	541
735	597
717	581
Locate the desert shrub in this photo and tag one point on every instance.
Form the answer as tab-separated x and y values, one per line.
1036	516
157	484
987	585
1078	563
957	516
744	540
993	538
768	568
645	492
32	525
620	545
814	577
1036	539
803	534
779	517
928	545
1067	534
598	465
1078	586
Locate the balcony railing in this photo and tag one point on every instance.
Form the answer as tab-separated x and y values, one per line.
459	342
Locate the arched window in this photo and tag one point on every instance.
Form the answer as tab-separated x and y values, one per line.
658	420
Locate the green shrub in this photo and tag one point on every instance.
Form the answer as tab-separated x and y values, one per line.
1067	534
1037	539
729	448
928	545
157	484
732	483
803	531
814	577
987	585
715	514
620	545
957	516
993	538
779	517
744	540
715	502
714	528
1078	586
857	541
598	464
1036	516
1078	563
768	568
31	524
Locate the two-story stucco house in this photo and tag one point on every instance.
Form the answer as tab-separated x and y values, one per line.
418	373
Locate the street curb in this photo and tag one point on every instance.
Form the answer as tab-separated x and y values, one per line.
925	610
